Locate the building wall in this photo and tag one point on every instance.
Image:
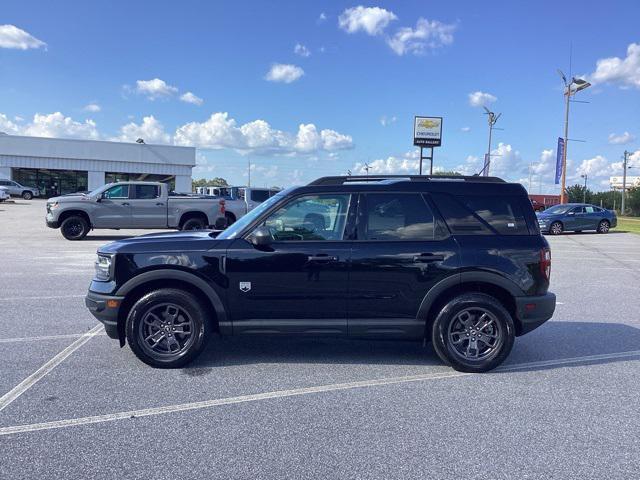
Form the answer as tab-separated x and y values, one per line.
96	158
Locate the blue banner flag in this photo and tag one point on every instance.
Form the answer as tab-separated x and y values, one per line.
559	157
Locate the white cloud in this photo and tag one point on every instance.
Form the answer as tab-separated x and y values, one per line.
465	129
92	107
480	99
622	139
189	97
622	71
322	17
428	35
7	126
284	73
14	37
407	163
150	130
57	125
220	131
301	50
385	121
155	88
372	20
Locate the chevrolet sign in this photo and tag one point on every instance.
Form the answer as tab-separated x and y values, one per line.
427	131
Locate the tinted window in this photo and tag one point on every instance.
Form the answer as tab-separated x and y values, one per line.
590	209
311	217
398	217
119	191
147	192
460	219
578	210
4	182
504	214
259	195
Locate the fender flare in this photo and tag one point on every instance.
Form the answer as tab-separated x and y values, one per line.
187	277
465	277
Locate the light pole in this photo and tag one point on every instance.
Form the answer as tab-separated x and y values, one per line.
584	192
624	180
367	167
492	118
570	89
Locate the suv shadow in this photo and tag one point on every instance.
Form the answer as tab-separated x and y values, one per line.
557	340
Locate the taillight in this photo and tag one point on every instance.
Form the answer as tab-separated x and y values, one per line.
222	205
545	262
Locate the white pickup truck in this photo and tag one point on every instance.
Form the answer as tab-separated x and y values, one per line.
132	205
237	201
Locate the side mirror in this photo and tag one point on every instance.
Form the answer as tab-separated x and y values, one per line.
99	198
261	237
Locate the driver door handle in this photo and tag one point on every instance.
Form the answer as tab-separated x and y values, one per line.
323	258
159	204
125	204
428	257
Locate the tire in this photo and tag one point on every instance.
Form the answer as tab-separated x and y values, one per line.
195	223
27	195
450	335
157	316
556	228
604	226
541	209
231	218
74	227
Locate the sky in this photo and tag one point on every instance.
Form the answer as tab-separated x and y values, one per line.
298	90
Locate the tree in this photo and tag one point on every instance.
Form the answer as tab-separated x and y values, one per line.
209	182
576	194
632	201
449	173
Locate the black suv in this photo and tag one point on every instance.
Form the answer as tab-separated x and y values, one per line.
459	261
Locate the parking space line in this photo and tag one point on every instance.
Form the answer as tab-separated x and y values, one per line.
72	422
8	398
45	337
51	297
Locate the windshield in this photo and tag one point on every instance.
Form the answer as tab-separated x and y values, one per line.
558	209
236	228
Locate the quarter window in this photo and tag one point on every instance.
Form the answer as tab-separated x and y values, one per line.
119	191
398	217
311	217
504	214
259	195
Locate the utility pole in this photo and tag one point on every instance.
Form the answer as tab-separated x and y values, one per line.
584	192
492	118
624	181
367	167
248	172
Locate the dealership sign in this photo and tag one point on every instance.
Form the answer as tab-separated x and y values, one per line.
616	182
427	131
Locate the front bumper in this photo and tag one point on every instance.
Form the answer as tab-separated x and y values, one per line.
51	223
106	309
534	311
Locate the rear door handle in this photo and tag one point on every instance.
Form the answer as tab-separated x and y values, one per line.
159	204
125	204
427	258
323	258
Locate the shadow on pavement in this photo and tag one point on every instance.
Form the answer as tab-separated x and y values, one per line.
555	340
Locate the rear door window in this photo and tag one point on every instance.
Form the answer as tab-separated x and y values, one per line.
259	195
460	220
147	192
398	216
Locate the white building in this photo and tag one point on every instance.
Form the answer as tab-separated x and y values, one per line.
58	166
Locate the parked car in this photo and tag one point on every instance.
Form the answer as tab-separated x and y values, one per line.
458	261
537	206
17	190
4	194
130	205
238	201
576	217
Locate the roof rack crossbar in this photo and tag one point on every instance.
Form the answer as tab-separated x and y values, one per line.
340	180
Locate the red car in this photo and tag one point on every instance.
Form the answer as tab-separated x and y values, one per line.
537	206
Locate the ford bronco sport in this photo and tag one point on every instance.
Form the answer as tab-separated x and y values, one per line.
458	261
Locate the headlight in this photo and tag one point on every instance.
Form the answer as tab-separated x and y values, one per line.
103	267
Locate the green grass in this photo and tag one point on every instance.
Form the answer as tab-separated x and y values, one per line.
629	224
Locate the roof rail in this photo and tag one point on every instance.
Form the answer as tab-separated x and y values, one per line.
341	180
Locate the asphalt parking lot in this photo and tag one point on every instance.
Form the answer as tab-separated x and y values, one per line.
75	405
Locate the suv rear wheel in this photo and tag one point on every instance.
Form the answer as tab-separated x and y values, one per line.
167	328
74	228
195	223
556	228
473	333
27	195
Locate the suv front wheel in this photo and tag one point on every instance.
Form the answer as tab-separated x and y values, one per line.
473	333
167	328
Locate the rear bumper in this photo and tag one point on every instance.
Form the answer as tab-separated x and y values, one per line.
106	309
534	311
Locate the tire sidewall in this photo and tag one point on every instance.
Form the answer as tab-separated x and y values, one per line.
27	195
193	221
181	298
448	315
551	228
604	222
82	221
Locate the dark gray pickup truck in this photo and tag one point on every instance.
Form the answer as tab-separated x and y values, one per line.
140	205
